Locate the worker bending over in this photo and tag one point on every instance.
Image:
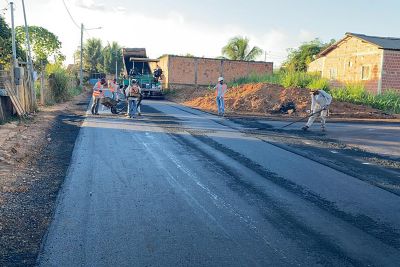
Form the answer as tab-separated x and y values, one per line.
320	101
97	95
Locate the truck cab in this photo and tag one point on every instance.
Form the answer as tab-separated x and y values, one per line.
138	66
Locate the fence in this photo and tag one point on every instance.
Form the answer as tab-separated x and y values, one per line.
16	99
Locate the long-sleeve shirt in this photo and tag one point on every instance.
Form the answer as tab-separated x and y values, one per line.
221	89
321	100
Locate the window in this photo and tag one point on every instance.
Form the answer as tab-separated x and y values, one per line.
365	72
332	74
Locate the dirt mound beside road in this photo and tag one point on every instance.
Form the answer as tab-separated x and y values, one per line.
267	99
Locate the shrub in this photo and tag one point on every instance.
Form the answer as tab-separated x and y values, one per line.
61	84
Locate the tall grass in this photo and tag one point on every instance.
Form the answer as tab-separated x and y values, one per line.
355	93
388	101
62	85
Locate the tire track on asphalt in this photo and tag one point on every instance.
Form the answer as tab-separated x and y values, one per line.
381	231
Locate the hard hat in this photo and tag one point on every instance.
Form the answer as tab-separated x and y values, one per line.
220	79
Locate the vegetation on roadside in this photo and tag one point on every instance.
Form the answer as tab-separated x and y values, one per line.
298	59
388	101
62	85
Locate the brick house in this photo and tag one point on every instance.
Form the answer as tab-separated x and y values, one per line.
373	61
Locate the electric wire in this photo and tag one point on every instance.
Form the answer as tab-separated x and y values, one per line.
69	13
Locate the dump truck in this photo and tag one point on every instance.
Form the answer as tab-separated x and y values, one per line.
138	66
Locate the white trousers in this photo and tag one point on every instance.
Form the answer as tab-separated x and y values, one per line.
323	114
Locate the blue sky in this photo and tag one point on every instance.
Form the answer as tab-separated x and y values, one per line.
203	27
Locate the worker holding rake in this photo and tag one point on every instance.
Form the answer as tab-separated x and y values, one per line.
320	101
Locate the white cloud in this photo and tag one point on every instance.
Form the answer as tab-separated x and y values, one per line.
172	34
90	4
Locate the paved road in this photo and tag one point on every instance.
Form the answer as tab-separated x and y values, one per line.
381	138
179	188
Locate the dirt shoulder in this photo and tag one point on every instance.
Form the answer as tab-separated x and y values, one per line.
267	100
34	158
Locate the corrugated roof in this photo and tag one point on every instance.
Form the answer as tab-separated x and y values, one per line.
389	43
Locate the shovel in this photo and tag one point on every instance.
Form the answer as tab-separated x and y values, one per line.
303	118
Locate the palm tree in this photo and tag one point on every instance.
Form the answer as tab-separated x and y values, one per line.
238	49
92	56
111	53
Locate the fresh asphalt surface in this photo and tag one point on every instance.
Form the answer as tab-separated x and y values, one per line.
176	187
380	138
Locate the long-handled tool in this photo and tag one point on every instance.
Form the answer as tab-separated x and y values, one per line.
306	117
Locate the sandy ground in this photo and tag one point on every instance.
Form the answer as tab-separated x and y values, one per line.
263	99
34	157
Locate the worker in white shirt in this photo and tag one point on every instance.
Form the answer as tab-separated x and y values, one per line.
320	101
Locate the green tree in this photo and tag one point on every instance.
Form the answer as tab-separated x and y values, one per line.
44	44
6	44
92	55
111	54
238	48
298	59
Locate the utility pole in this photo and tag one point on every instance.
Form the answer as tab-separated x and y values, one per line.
14	49
81	70
116	65
30	65
28	44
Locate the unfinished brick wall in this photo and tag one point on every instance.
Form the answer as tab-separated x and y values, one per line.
391	70
344	64
205	71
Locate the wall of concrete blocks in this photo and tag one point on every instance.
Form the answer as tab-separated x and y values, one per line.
391	70
179	70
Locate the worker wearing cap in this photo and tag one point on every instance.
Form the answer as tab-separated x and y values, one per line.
220	90
132	94
320	101
97	95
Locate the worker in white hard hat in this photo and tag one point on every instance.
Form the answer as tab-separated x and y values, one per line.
220	90
320	101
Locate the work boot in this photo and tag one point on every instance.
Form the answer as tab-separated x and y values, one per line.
305	128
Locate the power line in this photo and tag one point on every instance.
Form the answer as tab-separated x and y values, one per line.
69	13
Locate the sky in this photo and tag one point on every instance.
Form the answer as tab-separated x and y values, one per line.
203	27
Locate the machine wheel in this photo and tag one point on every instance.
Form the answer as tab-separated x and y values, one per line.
114	110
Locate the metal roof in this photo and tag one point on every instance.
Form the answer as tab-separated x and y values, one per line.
386	43
389	43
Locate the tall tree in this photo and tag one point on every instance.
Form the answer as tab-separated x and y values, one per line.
6	44
238	48
45	44
298	59
92	55
111	54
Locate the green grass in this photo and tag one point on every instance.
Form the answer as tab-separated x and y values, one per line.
388	101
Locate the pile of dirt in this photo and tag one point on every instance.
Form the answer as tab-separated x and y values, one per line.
268	99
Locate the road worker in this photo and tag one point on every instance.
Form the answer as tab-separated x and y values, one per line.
132	94
113	87
97	95
320	101
220	90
